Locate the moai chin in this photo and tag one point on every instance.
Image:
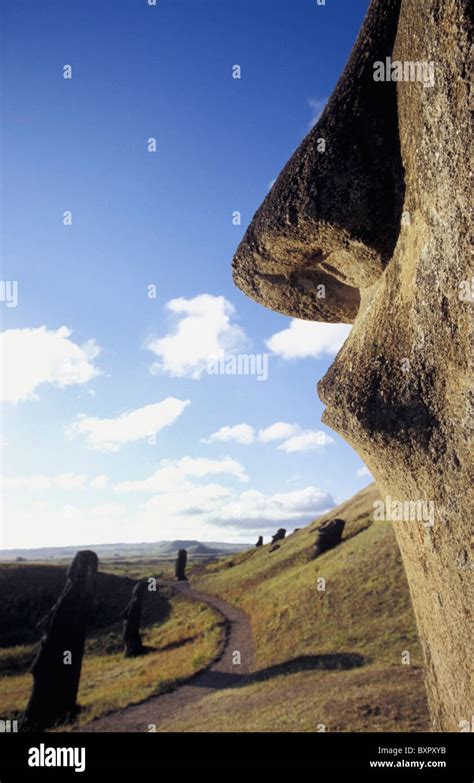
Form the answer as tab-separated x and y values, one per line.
381	219
57	667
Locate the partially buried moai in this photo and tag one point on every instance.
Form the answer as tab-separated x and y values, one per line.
329	535
57	667
132	614
279	535
259	542
181	561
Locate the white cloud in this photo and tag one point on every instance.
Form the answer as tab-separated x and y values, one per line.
111	434
257	511
364	471
204	331
32	357
39	483
277	431
99	482
309	440
304	339
172	475
295	439
240	433
317	108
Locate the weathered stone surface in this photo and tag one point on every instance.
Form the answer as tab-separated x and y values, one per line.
259	542
327	223
57	667
328	535
279	535
180	569
398	391
132	642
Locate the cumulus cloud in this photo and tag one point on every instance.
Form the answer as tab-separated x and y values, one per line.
39	483
172	475
111	434
239	433
294	438
256	510
204	331
33	357
303	339
277	431
308	440
99	482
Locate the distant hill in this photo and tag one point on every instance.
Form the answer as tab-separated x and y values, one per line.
329	653
141	549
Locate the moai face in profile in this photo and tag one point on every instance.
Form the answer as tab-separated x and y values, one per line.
368	224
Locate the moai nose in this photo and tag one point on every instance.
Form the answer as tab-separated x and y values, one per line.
330	223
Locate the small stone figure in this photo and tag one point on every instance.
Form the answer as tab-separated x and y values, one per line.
181	561
57	667
328	536
259	542
132	642
279	535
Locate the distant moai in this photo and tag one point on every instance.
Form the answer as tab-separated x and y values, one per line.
180	569
279	535
57	667
259	542
328	536
132	643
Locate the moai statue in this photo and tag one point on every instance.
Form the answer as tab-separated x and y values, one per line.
259	542
371	228
132	642
328	536
57	667
180	569
279	535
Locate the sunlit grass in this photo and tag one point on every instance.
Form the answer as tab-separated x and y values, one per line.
184	644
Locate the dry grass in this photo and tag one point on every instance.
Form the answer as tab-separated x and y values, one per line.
365	611
184	641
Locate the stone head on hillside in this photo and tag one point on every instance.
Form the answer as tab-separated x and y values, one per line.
368	224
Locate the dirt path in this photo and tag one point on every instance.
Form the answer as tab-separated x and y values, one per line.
161	711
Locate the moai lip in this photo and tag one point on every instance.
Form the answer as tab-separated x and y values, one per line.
380	218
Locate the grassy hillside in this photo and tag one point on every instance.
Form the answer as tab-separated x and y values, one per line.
182	637
361	623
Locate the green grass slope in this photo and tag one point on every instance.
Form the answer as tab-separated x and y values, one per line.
326	659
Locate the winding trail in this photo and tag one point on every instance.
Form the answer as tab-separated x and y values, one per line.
162	710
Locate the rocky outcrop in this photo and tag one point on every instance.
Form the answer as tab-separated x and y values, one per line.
328	535
370	227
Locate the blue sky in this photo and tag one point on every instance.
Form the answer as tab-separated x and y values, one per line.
113	428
